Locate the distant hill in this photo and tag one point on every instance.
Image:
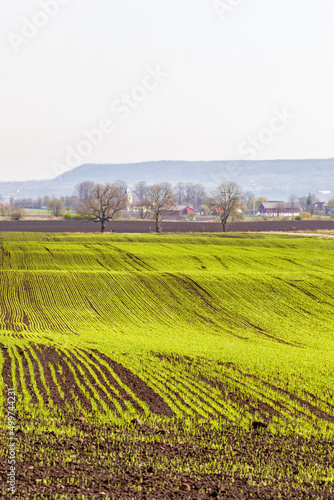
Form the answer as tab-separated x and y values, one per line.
276	179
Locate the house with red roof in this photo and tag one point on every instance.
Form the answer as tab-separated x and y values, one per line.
176	211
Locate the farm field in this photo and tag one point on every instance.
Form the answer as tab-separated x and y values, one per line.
148	226
168	366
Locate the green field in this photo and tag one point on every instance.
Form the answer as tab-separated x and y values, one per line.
196	337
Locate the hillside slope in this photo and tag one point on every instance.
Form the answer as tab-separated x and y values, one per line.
170	366
276	179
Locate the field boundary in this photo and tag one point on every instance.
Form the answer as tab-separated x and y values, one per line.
148	226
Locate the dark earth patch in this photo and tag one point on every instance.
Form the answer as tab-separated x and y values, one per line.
139	387
112	381
49	355
146	462
27	376
6	371
137	226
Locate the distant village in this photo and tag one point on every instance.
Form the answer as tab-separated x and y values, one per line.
189	202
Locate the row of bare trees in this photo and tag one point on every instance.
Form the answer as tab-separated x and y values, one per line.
102	203
186	193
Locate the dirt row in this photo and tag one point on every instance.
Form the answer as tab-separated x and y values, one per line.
147	226
89	380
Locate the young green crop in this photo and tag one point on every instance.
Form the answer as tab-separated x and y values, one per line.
225	331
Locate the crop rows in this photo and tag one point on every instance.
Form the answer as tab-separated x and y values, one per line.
246	307
48	376
200	365
91	382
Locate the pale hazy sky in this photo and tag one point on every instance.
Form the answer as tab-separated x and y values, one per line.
163	79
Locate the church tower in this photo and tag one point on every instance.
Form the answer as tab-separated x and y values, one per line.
130	199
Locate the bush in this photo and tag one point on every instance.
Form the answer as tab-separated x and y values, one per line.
16	212
306	215
238	217
76	217
298	217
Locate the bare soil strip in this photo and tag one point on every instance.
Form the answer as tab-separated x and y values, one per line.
139	387
113	383
147	226
6	371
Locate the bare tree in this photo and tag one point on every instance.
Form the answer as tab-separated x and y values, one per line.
179	192
249	201
140	191
302	202
310	203
293	199
102	203
144	209
45	201
191	194
56	206
160	198
330	206
279	209
227	200
84	189
70	202
188	192
198	195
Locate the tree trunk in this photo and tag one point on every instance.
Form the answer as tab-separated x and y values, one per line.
157	224
103	225
224	221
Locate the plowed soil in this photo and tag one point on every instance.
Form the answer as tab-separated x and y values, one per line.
66	451
100	463
134	226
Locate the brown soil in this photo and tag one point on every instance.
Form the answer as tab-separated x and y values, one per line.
99	464
139	387
134	226
140	459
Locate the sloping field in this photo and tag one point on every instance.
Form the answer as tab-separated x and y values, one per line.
185	365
